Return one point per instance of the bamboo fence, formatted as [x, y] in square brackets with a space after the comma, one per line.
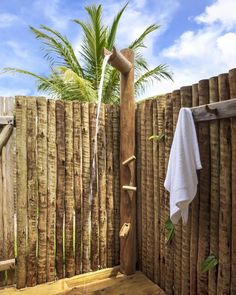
[45, 174]
[177, 266]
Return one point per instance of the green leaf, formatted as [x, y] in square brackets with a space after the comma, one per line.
[170, 229]
[210, 262]
[157, 137]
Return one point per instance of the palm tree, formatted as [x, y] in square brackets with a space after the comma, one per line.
[73, 78]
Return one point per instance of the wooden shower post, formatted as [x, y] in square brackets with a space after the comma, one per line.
[124, 62]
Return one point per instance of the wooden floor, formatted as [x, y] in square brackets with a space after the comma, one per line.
[108, 281]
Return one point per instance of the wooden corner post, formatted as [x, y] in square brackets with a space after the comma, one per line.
[124, 62]
[127, 171]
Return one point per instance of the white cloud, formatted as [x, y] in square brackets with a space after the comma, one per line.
[222, 11]
[204, 52]
[6, 91]
[7, 20]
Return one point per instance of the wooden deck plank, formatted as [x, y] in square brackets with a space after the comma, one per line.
[107, 281]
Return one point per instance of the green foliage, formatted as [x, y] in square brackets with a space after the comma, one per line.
[170, 229]
[157, 137]
[76, 77]
[210, 262]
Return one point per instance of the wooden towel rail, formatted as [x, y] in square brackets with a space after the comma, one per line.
[218, 110]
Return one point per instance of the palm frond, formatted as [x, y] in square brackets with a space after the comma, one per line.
[40, 79]
[138, 43]
[58, 49]
[156, 74]
[113, 29]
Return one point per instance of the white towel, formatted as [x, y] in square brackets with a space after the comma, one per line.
[181, 179]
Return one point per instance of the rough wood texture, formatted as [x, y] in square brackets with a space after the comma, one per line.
[194, 218]
[161, 145]
[95, 200]
[127, 173]
[223, 284]
[32, 189]
[156, 191]
[69, 192]
[116, 179]
[60, 135]
[143, 139]
[109, 185]
[21, 177]
[52, 186]
[169, 250]
[149, 189]
[232, 86]
[139, 196]
[204, 190]
[225, 109]
[86, 217]
[42, 188]
[186, 101]
[215, 186]
[102, 190]
[78, 186]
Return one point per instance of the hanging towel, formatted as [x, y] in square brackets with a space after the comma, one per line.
[181, 179]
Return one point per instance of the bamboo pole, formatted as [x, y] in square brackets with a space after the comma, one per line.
[78, 186]
[232, 85]
[102, 190]
[215, 186]
[178, 228]
[42, 187]
[86, 221]
[204, 190]
[156, 195]
[169, 249]
[186, 101]
[32, 192]
[194, 217]
[127, 173]
[69, 191]
[139, 196]
[223, 284]
[60, 198]
[109, 183]
[143, 139]
[52, 189]
[161, 145]
[21, 178]
[149, 190]
[95, 200]
[116, 179]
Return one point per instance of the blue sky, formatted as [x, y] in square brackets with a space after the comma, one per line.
[197, 39]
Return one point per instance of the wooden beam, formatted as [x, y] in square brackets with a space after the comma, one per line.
[4, 135]
[7, 264]
[118, 60]
[4, 120]
[218, 110]
[127, 172]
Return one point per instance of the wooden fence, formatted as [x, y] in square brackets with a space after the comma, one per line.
[60, 232]
[211, 229]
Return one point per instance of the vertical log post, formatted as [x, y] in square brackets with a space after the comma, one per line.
[123, 61]
[127, 172]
